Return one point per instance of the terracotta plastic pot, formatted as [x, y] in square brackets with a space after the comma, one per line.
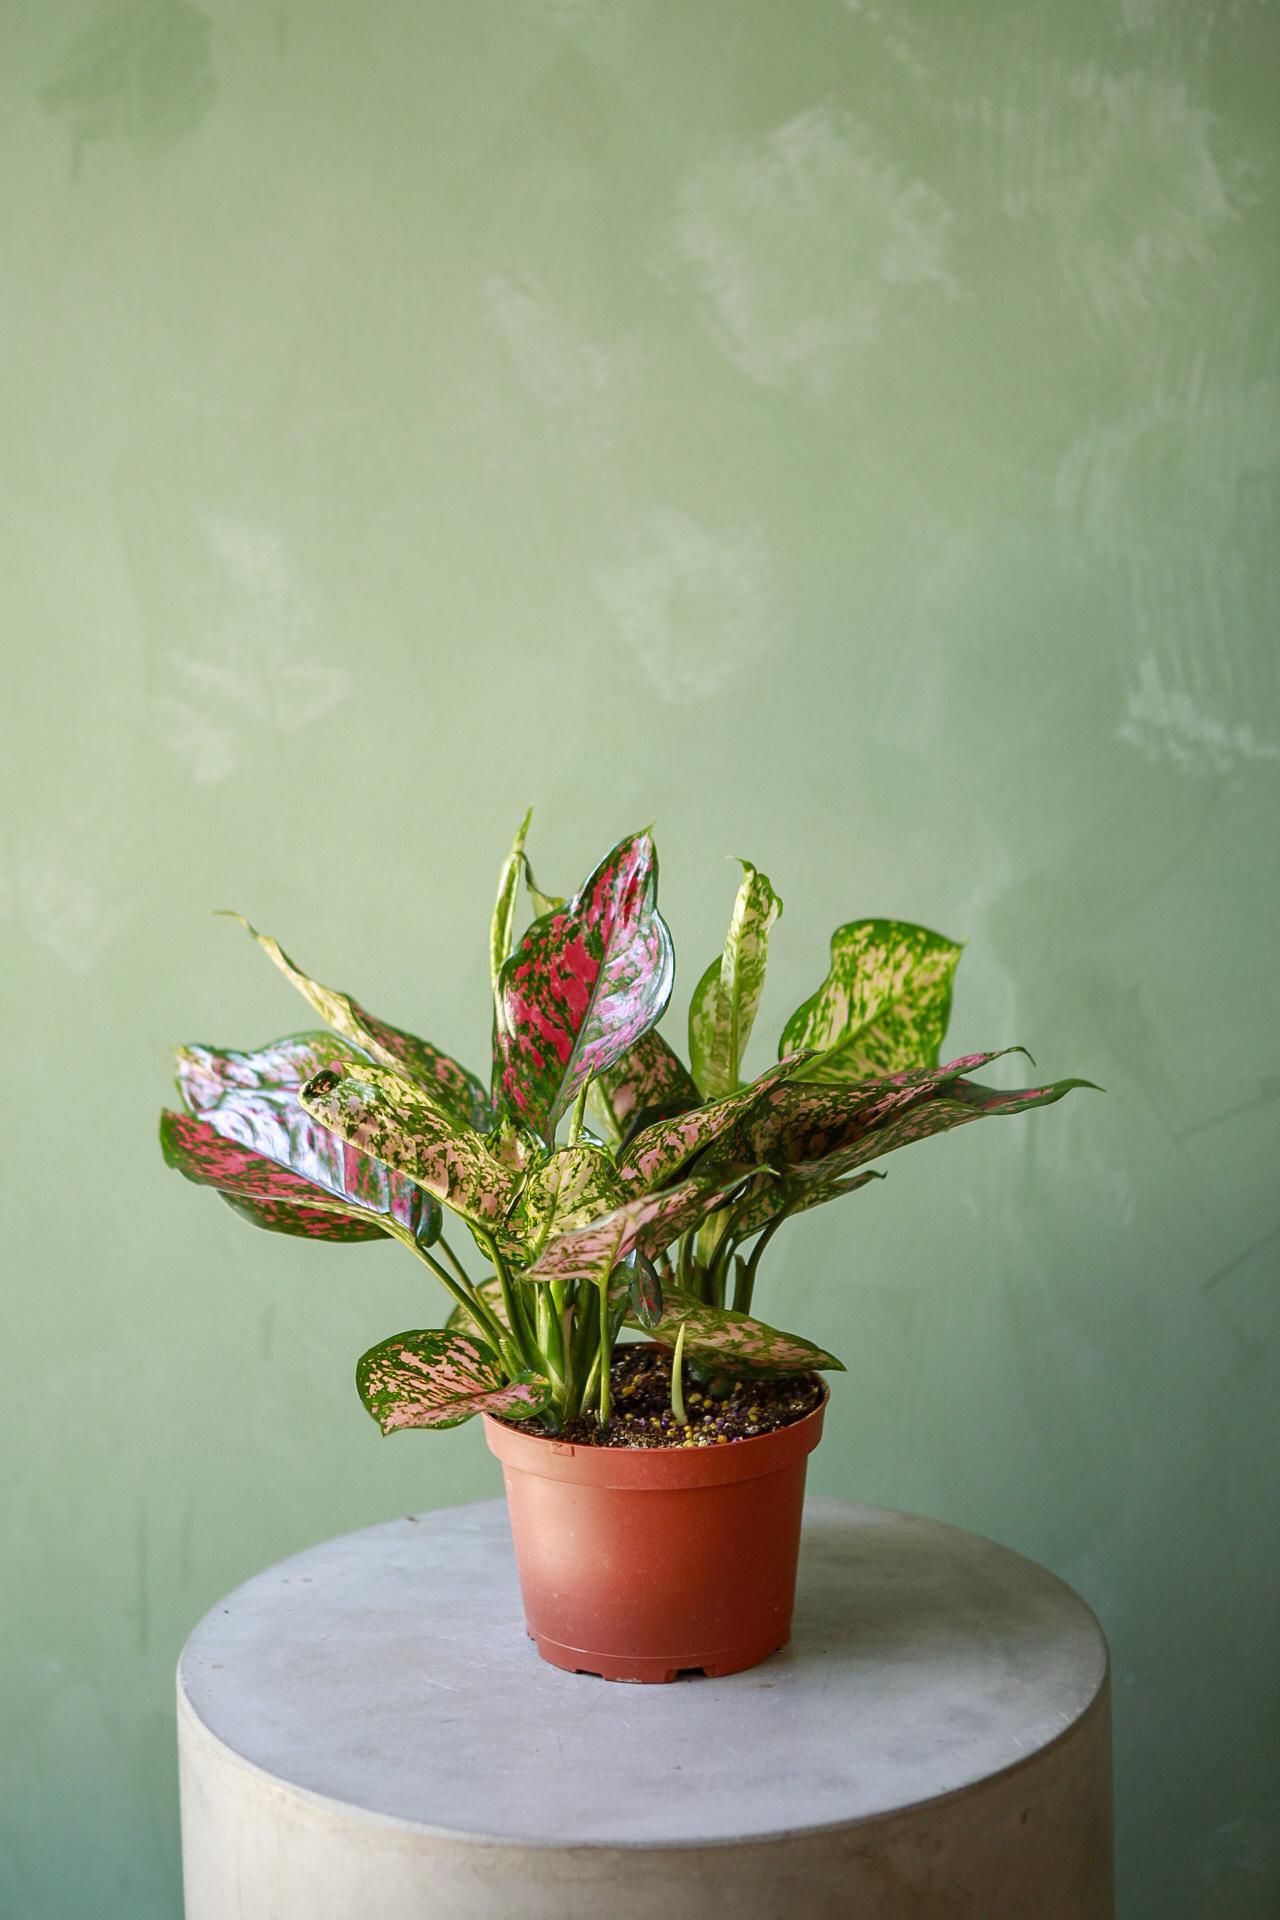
[644, 1563]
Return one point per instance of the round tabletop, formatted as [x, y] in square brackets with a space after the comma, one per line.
[388, 1670]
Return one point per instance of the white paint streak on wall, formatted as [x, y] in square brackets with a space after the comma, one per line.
[591, 386]
[694, 605]
[1174, 493]
[55, 892]
[1167, 721]
[255, 669]
[1122, 171]
[799, 246]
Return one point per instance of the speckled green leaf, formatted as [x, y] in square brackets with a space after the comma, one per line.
[451, 1088]
[884, 1006]
[582, 986]
[650, 1222]
[735, 1342]
[650, 1082]
[567, 1189]
[439, 1378]
[723, 1009]
[245, 1107]
[803, 1187]
[392, 1118]
[656, 1154]
[840, 1128]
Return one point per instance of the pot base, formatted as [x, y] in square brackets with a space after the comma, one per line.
[642, 1672]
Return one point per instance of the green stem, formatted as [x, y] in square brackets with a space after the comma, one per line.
[604, 1355]
[747, 1278]
[466, 1296]
[521, 1332]
[453, 1260]
[577, 1114]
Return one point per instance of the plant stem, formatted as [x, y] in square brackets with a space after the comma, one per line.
[747, 1278]
[453, 1260]
[471, 1302]
[577, 1113]
[521, 1333]
[677, 1380]
[604, 1355]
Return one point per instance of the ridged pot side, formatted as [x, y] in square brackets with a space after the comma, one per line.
[642, 1563]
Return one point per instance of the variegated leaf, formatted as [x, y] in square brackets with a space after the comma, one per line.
[726, 999]
[582, 986]
[453, 1089]
[383, 1114]
[650, 1222]
[734, 1342]
[656, 1154]
[438, 1378]
[644, 1289]
[252, 1099]
[502, 926]
[303, 1223]
[840, 1128]
[650, 1082]
[883, 1007]
[565, 1190]
[542, 902]
[802, 1188]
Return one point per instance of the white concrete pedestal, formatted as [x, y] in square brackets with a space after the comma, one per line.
[366, 1730]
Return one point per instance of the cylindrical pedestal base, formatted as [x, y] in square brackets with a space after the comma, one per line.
[367, 1728]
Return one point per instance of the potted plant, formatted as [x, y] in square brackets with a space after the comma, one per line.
[654, 1487]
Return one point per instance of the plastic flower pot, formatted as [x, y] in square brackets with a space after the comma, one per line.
[645, 1563]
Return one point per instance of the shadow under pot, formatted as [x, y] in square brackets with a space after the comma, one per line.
[642, 1563]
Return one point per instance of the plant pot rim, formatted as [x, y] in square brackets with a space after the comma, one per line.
[546, 1455]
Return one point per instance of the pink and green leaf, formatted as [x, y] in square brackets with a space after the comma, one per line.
[656, 1154]
[585, 982]
[439, 1378]
[648, 1223]
[733, 1342]
[382, 1113]
[840, 1128]
[454, 1090]
[883, 1007]
[245, 1107]
[648, 1083]
[565, 1190]
[801, 1188]
[726, 999]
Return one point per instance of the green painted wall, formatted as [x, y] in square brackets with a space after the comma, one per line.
[846, 432]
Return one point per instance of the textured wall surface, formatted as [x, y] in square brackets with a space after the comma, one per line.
[849, 433]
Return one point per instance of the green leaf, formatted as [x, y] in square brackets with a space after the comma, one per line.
[734, 1342]
[582, 986]
[248, 1135]
[884, 1006]
[392, 1118]
[648, 1083]
[504, 908]
[725, 1000]
[451, 1087]
[438, 1378]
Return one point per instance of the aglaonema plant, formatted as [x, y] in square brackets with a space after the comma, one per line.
[603, 1183]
